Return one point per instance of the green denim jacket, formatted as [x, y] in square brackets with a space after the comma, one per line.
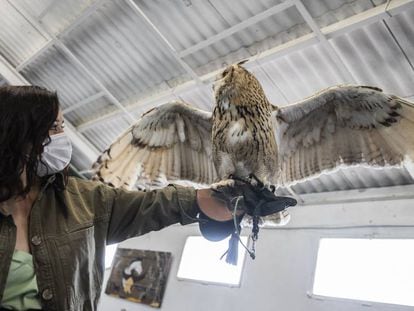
[69, 229]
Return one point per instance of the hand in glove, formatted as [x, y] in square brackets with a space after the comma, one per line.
[254, 200]
[218, 203]
[240, 197]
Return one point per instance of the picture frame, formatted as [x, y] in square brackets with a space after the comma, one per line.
[139, 275]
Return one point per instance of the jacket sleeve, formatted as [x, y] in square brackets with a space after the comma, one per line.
[134, 213]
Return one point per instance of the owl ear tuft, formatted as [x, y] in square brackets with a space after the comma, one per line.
[242, 62]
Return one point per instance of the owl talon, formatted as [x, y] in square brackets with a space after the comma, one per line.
[237, 178]
[223, 183]
[256, 181]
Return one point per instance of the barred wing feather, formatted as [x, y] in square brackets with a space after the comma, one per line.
[343, 125]
[169, 142]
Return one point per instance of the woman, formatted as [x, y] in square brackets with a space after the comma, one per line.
[54, 228]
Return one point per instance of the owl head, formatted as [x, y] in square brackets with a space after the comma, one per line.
[237, 84]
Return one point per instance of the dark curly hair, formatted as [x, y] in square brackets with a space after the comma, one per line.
[26, 115]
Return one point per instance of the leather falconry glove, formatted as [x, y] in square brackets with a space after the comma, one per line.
[241, 198]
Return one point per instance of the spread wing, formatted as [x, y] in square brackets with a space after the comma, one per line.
[344, 125]
[169, 142]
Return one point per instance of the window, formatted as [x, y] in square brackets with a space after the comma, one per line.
[378, 270]
[109, 254]
[201, 262]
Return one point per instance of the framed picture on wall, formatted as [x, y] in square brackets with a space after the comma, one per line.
[139, 275]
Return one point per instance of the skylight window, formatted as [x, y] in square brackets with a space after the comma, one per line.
[376, 270]
[201, 262]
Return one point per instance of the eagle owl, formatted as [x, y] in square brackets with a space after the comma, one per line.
[243, 140]
[246, 134]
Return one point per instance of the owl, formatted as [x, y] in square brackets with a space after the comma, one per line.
[245, 136]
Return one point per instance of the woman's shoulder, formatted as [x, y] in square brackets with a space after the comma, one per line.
[87, 194]
[79, 186]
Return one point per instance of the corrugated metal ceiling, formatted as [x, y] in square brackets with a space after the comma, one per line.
[55, 70]
[18, 40]
[102, 54]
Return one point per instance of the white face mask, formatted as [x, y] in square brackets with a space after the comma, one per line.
[56, 155]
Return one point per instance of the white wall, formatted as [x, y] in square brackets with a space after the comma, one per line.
[281, 276]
